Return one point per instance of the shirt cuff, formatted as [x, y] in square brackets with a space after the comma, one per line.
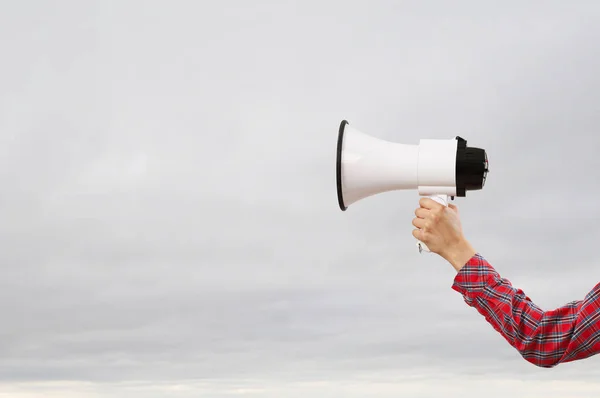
[473, 277]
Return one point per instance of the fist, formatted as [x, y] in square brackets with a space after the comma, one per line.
[438, 226]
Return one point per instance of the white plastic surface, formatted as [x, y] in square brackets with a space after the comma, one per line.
[437, 167]
[371, 166]
[443, 199]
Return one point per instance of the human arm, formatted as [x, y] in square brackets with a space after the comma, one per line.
[543, 338]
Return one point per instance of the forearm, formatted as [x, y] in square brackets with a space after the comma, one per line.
[459, 254]
[544, 338]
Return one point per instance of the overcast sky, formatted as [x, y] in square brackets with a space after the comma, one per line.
[168, 218]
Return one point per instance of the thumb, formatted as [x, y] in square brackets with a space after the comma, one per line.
[453, 207]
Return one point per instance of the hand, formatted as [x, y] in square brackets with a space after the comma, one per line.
[439, 227]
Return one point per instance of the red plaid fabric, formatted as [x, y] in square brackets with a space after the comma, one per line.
[543, 338]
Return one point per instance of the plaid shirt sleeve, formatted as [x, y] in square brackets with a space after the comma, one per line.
[543, 338]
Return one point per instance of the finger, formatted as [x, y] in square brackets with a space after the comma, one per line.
[429, 203]
[421, 212]
[418, 222]
[419, 234]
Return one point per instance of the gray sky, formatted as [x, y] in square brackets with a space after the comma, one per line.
[169, 225]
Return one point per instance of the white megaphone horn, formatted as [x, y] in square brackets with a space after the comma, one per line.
[436, 168]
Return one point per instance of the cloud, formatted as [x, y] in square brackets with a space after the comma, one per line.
[169, 220]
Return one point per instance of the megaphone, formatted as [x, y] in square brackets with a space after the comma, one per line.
[436, 168]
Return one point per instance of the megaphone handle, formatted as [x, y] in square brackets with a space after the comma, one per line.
[443, 199]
